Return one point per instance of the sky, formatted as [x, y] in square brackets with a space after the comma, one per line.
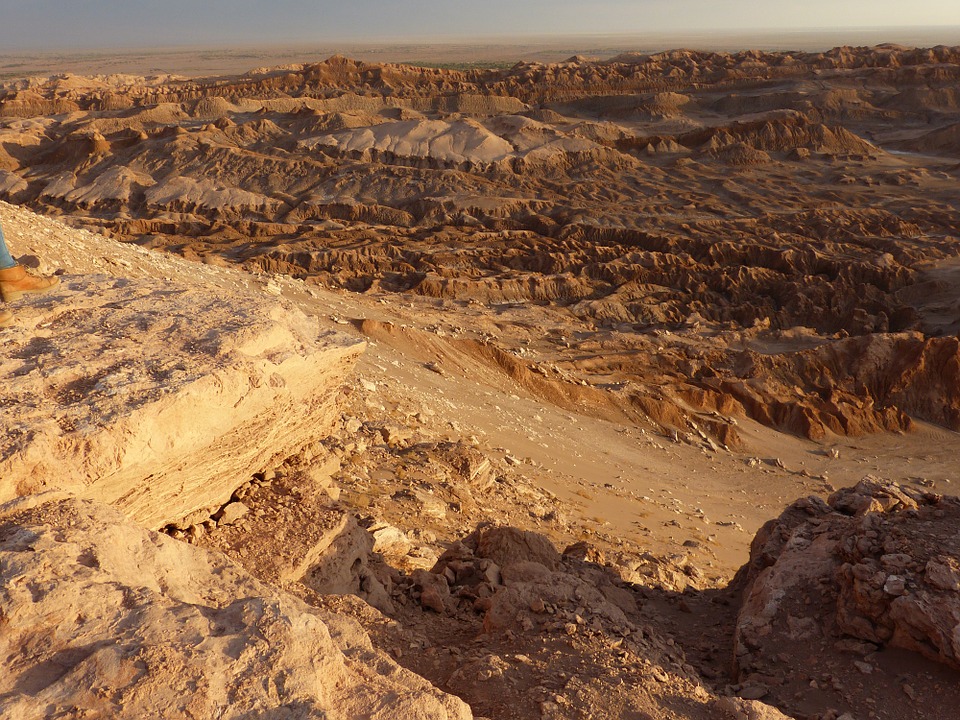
[75, 24]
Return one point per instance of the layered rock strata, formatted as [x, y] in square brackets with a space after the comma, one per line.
[158, 395]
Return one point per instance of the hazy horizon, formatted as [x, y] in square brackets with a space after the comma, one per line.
[44, 25]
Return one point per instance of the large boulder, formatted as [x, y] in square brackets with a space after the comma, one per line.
[103, 618]
[152, 383]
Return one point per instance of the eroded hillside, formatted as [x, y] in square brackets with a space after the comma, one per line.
[631, 308]
[708, 236]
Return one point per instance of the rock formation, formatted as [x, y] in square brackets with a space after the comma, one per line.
[102, 617]
[843, 582]
[159, 396]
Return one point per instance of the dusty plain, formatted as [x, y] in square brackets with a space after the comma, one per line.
[502, 51]
[637, 304]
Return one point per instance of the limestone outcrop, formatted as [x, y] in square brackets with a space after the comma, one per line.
[103, 618]
[160, 395]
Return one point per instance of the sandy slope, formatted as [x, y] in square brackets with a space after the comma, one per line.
[618, 482]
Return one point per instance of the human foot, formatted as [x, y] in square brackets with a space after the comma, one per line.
[16, 282]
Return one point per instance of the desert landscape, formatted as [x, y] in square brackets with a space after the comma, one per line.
[603, 387]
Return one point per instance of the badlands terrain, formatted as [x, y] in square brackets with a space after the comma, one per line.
[495, 384]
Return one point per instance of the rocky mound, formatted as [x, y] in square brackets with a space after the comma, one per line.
[105, 618]
[780, 133]
[447, 142]
[589, 649]
[834, 590]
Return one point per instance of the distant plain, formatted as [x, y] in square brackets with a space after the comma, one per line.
[216, 60]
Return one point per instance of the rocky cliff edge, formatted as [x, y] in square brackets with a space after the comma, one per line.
[151, 383]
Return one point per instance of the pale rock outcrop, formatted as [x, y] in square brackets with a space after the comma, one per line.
[103, 618]
[118, 184]
[459, 141]
[159, 388]
[11, 183]
[60, 186]
[178, 193]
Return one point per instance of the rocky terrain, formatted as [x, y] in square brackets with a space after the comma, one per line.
[484, 380]
[758, 202]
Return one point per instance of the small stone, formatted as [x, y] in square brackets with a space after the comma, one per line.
[482, 604]
[753, 692]
[394, 435]
[943, 573]
[895, 562]
[490, 572]
[231, 513]
[895, 585]
[432, 599]
[389, 541]
[548, 707]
